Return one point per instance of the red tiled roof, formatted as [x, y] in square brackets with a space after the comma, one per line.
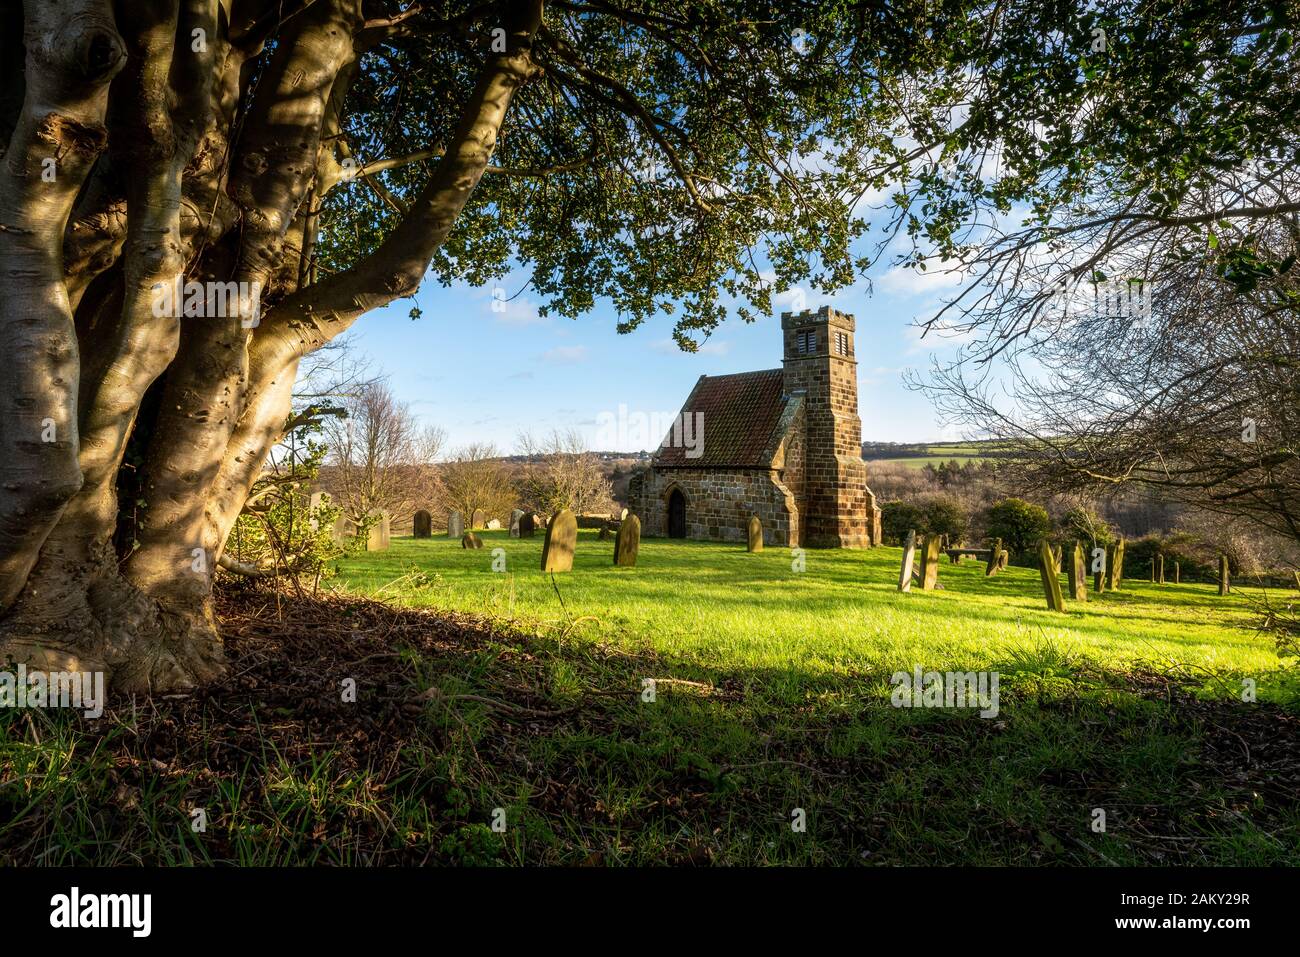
[737, 415]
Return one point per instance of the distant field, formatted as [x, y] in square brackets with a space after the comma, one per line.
[919, 455]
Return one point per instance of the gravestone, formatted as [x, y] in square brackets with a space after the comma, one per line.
[1177, 574]
[1225, 583]
[755, 541]
[930, 561]
[515, 516]
[377, 539]
[1051, 582]
[478, 519]
[1004, 559]
[623, 514]
[1078, 574]
[995, 554]
[1160, 569]
[527, 525]
[627, 541]
[561, 540]
[455, 525]
[422, 524]
[1117, 566]
[604, 533]
[909, 556]
[493, 523]
[470, 540]
[316, 501]
[343, 528]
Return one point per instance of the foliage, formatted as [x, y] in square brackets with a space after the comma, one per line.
[1020, 525]
[898, 518]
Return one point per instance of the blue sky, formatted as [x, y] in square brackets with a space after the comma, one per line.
[486, 376]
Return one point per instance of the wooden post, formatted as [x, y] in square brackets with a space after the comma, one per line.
[1051, 583]
[930, 561]
[909, 556]
[1225, 585]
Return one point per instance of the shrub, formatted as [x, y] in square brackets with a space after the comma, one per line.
[1019, 524]
[897, 518]
[944, 515]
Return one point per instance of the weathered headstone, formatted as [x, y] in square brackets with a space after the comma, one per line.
[1112, 550]
[1004, 559]
[1117, 568]
[493, 524]
[478, 519]
[909, 556]
[1160, 569]
[627, 541]
[1225, 582]
[1078, 574]
[755, 538]
[455, 525]
[995, 553]
[527, 525]
[316, 501]
[515, 516]
[930, 561]
[422, 524]
[1051, 583]
[1178, 577]
[470, 540]
[561, 541]
[623, 514]
[377, 539]
[604, 533]
[343, 528]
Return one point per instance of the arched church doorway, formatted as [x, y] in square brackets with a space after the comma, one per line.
[677, 514]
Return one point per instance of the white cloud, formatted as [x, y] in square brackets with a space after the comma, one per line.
[906, 281]
[565, 355]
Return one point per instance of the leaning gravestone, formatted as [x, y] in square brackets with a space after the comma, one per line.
[755, 538]
[995, 554]
[1078, 574]
[1160, 569]
[377, 539]
[1051, 583]
[455, 525]
[527, 525]
[470, 540]
[561, 540]
[1117, 566]
[1225, 583]
[627, 541]
[930, 561]
[422, 524]
[909, 556]
[515, 516]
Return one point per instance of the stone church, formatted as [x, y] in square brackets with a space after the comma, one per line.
[783, 444]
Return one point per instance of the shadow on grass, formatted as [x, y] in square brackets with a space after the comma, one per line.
[458, 724]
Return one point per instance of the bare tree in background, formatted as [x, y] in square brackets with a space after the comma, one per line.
[1191, 390]
[380, 457]
[477, 478]
[563, 473]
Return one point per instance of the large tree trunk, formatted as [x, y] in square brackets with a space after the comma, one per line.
[177, 194]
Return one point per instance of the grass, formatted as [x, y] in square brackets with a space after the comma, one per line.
[717, 606]
[508, 696]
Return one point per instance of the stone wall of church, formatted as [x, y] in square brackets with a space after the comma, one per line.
[718, 503]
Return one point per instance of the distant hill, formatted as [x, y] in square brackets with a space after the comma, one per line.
[920, 454]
